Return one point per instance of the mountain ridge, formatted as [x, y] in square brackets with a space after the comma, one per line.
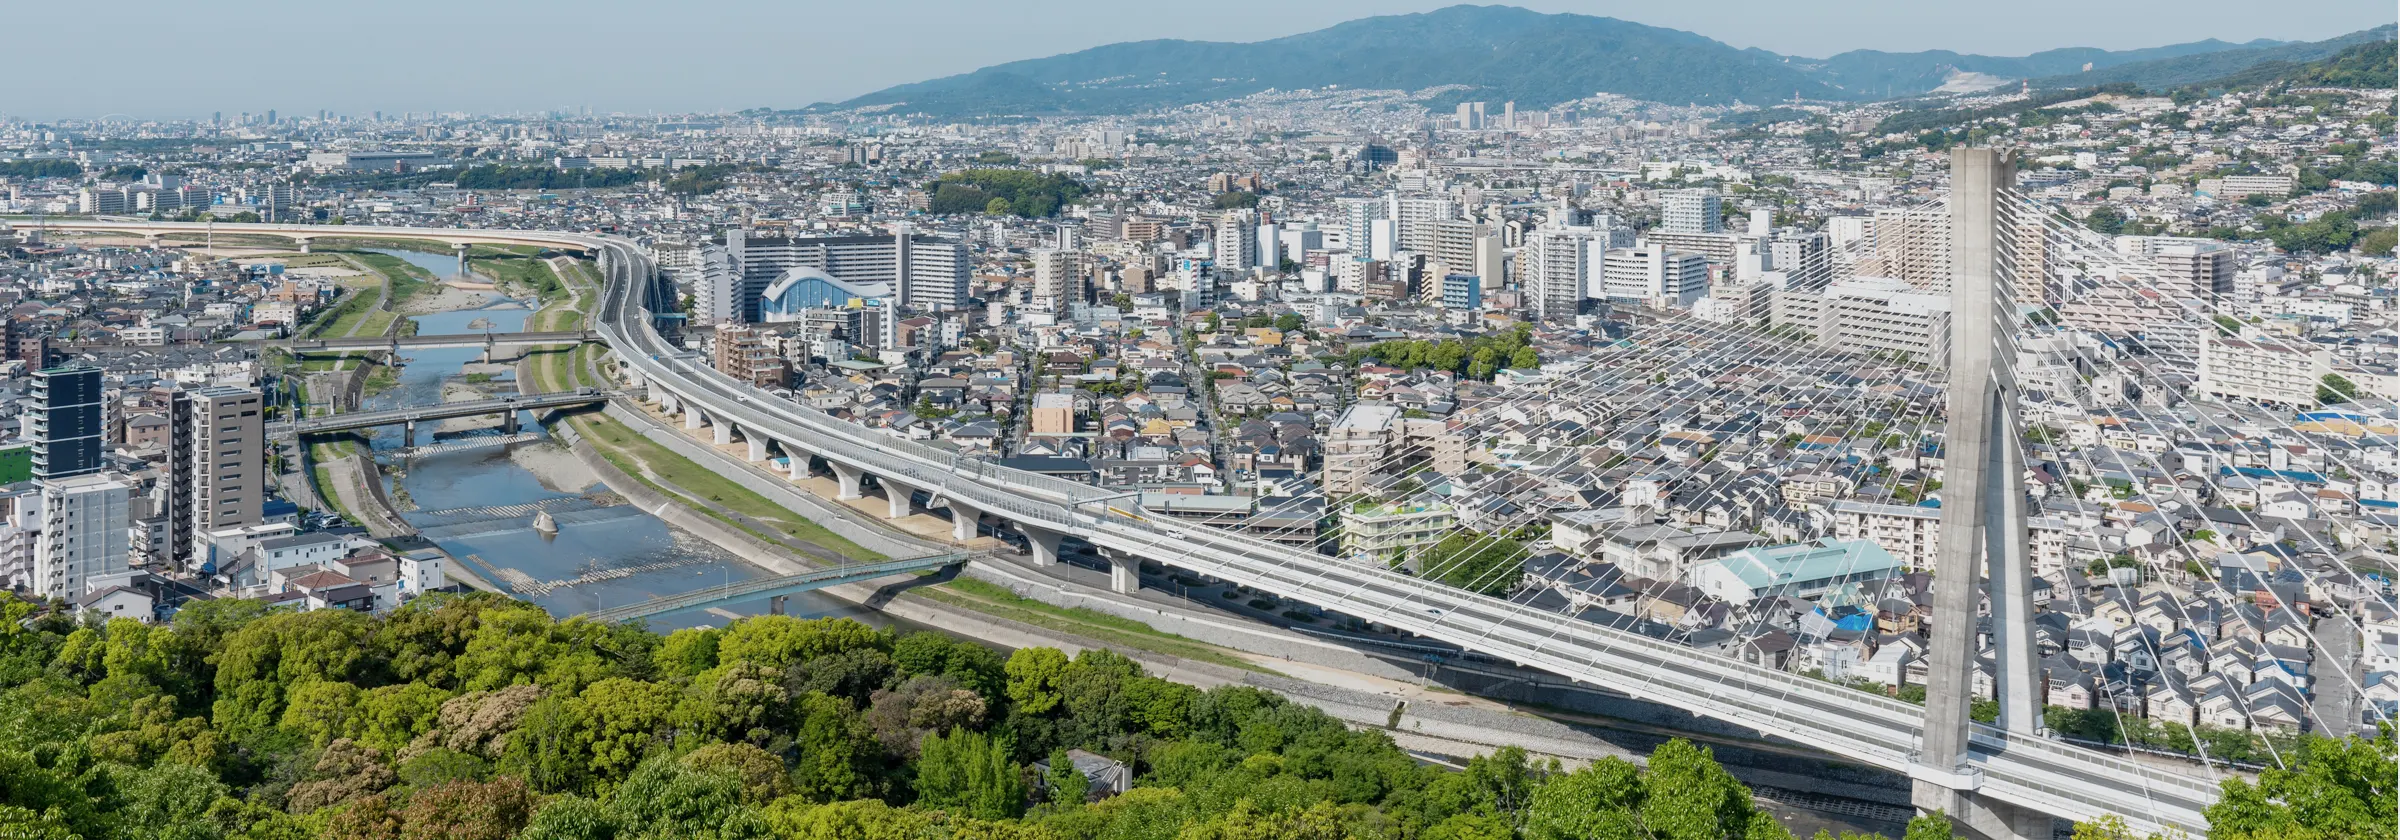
[1499, 53]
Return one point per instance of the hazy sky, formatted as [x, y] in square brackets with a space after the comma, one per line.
[184, 59]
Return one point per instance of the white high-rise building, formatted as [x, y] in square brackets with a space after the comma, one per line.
[1237, 242]
[1692, 211]
[2263, 371]
[1270, 246]
[1057, 279]
[1358, 223]
[714, 284]
[1300, 240]
[1556, 270]
[84, 533]
[1413, 219]
[1654, 276]
[930, 272]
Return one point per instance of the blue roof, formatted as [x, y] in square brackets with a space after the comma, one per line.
[1825, 559]
[2302, 476]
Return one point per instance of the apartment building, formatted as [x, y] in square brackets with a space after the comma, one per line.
[2281, 373]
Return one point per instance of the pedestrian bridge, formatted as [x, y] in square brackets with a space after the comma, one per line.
[412, 415]
[395, 344]
[774, 589]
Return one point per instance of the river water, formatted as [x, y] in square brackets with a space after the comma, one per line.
[475, 492]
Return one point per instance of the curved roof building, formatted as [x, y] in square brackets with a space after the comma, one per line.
[804, 288]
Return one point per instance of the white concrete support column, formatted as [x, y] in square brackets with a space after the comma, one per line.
[798, 463]
[963, 521]
[692, 418]
[722, 434]
[1981, 816]
[1044, 544]
[849, 478]
[896, 495]
[758, 447]
[775, 605]
[1124, 573]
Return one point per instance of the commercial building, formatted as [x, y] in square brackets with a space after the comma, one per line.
[1806, 570]
[371, 161]
[2263, 371]
[804, 289]
[927, 272]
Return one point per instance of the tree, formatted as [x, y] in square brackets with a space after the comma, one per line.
[778, 641]
[2336, 389]
[1684, 796]
[1033, 679]
[1475, 562]
[467, 810]
[966, 772]
[1064, 783]
[623, 721]
[836, 750]
[2334, 789]
[1236, 199]
[1290, 322]
[1525, 359]
[2105, 219]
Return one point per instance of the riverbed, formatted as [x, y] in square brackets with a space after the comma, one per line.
[475, 492]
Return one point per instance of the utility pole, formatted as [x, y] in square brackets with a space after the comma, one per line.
[1983, 527]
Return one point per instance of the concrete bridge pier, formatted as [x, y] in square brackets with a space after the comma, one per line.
[1124, 573]
[155, 240]
[461, 248]
[692, 418]
[775, 605]
[798, 465]
[307, 243]
[508, 422]
[758, 447]
[963, 521]
[408, 434]
[722, 433]
[1044, 544]
[850, 478]
[1981, 816]
[896, 495]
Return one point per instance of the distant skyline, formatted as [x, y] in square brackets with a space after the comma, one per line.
[153, 59]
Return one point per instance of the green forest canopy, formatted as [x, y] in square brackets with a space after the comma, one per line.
[482, 718]
[1019, 192]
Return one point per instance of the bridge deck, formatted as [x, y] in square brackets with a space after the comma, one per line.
[752, 590]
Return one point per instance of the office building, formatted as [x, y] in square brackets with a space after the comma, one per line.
[929, 273]
[83, 533]
[217, 448]
[1692, 211]
[2262, 371]
[66, 426]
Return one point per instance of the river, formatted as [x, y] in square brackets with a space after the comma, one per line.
[475, 493]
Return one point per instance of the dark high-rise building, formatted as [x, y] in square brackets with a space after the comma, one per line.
[67, 430]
